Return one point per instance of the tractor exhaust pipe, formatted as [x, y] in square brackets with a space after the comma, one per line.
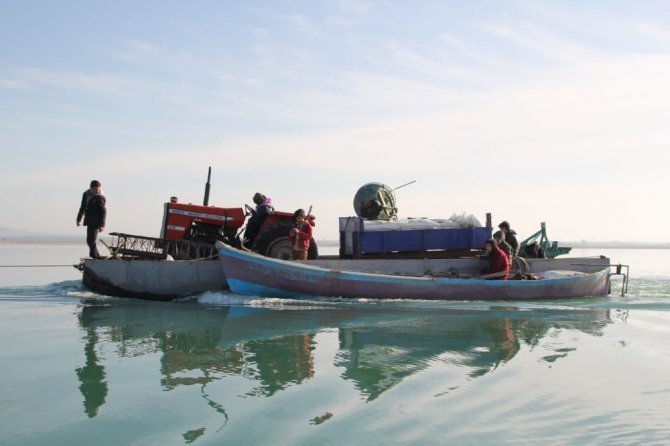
[205, 201]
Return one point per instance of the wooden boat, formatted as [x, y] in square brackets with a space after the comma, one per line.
[433, 279]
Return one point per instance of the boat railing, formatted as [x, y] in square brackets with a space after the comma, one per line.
[623, 271]
[151, 248]
[550, 249]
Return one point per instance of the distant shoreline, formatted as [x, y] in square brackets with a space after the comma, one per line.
[22, 240]
[42, 241]
[573, 245]
[616, 245]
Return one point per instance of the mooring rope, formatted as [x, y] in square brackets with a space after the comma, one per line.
[38, 266]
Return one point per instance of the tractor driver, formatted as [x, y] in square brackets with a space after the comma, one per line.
[263, 209]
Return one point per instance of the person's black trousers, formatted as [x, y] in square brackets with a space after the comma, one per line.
[91, 239]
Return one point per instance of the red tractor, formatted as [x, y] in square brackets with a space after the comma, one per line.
[208, 224]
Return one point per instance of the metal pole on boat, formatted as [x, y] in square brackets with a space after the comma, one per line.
[406, 184]
[205, 201]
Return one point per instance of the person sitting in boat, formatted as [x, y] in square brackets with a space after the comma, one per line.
[301, 234]
[510, 237]
[534, 251]
[498, 262]
[263, 209]
[499, 237]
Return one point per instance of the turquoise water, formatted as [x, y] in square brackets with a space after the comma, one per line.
[79, 368]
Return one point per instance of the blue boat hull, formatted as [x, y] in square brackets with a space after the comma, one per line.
[251, 274]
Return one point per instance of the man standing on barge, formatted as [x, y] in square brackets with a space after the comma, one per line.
[93, 211]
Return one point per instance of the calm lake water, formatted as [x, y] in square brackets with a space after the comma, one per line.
[79, 368]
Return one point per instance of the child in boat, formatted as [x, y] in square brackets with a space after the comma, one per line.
[498, 262]
[301, 234]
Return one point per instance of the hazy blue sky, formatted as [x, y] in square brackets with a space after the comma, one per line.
[531, 110]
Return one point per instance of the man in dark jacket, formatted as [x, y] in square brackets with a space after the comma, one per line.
[263, 209]
[510, 237]
[93, 211]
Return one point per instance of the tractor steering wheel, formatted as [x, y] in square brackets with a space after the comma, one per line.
[248, 210]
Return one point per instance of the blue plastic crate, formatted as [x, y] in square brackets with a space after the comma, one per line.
[423, 239]
[355, 240]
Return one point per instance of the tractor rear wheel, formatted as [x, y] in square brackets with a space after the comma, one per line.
[274, 242]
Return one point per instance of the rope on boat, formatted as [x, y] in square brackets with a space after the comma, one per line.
[69, 265]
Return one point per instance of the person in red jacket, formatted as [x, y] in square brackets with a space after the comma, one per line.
[498, 262]
[301, 234]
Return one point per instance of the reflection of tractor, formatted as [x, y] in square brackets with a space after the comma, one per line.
[207, 224]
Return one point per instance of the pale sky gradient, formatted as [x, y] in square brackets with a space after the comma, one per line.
[531, 110]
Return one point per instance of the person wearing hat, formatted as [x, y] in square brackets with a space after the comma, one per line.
[510, 237]
[94, 213]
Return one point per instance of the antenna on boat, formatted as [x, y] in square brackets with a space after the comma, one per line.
[205, 200]
[406, 184]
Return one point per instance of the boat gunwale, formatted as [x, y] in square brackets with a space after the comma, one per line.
[313, 274]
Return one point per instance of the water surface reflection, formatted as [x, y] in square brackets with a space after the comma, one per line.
[274, 347]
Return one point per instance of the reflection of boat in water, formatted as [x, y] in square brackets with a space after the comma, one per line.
[377, 358]
[193, 337]
[377, 347]
[198, 345]
[136, 328]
